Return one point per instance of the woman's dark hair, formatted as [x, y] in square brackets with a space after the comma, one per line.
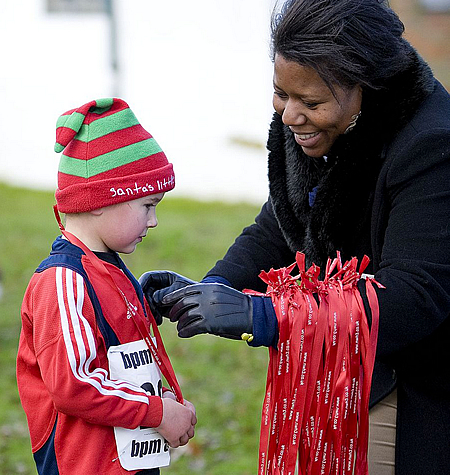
[347, 42]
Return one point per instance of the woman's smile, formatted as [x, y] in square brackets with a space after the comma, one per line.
[307, 140]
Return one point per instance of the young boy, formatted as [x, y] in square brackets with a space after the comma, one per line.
[88, 370]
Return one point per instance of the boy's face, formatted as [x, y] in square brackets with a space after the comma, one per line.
[124, 225]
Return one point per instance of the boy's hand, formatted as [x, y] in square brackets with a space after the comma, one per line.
[187, 403]
[157, 284]
[178, 421]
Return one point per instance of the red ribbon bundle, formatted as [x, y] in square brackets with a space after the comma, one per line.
[315, 411]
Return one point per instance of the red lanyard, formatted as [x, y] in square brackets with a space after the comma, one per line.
[315, 411]
[158, 351]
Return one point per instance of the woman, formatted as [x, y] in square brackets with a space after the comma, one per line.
[359, 161]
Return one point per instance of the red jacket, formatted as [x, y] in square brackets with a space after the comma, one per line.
[70, 401]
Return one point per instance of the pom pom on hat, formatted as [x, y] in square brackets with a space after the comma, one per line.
[69, 124]
[108, 158]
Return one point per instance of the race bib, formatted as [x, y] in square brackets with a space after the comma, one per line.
[142, 447]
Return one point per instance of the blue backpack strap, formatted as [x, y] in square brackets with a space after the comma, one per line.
[65, 254]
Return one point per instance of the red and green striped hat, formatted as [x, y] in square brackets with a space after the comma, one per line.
[108, 158]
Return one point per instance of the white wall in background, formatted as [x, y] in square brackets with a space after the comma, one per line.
[197, 75]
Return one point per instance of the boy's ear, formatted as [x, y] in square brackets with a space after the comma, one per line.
[97, 212]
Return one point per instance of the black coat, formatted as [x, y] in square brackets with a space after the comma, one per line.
[384, 191]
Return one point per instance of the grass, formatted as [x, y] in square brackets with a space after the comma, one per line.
[224, 379]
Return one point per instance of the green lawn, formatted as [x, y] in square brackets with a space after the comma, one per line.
[224, 379]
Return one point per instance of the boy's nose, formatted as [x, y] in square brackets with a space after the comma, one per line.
[152, 222]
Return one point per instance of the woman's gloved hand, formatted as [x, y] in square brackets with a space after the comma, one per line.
[210, 308]
[157, 284]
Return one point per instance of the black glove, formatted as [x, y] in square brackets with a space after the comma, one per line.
[156, 284]
[210, 308]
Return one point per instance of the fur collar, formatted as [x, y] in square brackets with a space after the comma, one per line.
[340, 218]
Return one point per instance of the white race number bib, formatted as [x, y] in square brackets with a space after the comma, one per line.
[142, 447]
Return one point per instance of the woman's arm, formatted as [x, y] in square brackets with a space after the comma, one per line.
[415, 252]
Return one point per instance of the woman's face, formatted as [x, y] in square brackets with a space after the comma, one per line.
[309, 108]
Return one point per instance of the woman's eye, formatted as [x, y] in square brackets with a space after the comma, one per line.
[280, 94]
[311, 105]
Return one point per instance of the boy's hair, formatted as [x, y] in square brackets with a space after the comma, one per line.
[108, 158]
